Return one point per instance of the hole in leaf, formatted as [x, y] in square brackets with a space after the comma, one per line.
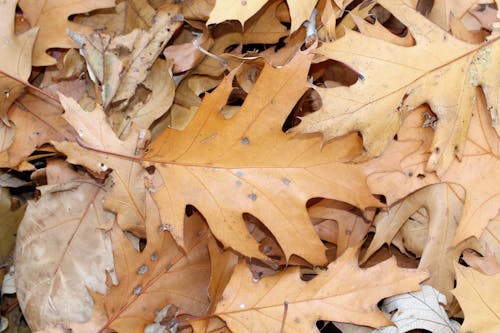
[268, 244]
[308, 103]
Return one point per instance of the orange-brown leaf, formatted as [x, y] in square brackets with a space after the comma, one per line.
[247, 164]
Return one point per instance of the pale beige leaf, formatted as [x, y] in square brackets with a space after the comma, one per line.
[478, 297]
[418, 310]
[343, 292]
[61, 251]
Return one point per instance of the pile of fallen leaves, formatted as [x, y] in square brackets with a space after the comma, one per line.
[250, 166]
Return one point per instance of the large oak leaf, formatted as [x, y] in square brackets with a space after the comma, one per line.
[61, 250]
[439, 70]
[344, 292]
[248, 165]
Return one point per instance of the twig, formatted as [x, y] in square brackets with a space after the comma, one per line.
[285, 312]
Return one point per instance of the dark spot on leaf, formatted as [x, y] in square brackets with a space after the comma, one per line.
[143, 269]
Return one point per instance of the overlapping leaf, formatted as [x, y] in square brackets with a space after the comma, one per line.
[343, 292]
[247, 164]
[443, 203]
[439, 70]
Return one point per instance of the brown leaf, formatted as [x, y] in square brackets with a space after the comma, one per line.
[247, 164]
[343, 292]
[61, 251]
[51, 17]
[37, 120]
[159, 275]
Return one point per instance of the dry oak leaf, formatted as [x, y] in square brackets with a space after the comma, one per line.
[478, 172]
[127, 195]
[343, 292]
[61, 251]
[478, 298]
[51, 16]
[118, 73]
[439, 70]
[418, 310]
[16, 57]
[300, 11]
[37, 120]
[248, 165]
[443, 203]
[159, 275]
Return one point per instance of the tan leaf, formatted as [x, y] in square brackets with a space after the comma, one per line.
[127, 194]
[443, 203]
[343, 292]
[51, 16]
[60, 251]
[439, 70]
[16, 57]
[478, 297]
[247, 164]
